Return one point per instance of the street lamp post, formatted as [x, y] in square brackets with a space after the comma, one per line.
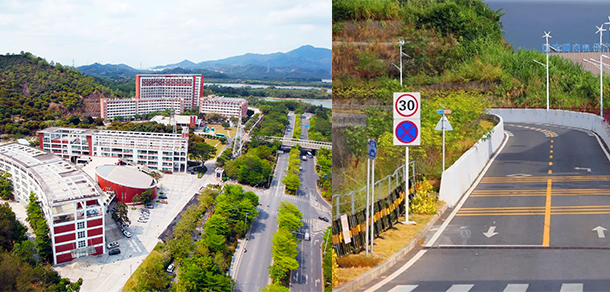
[400, 44]
[600, 30]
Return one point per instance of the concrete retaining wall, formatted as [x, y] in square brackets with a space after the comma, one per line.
[456, 180]
[572, 119]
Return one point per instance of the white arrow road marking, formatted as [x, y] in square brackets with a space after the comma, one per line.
[306, 278]
[490, 232]
[600, 231]
[519, 175]
[317, 280]
[583, 168]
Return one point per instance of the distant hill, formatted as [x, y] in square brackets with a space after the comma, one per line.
[306, 63]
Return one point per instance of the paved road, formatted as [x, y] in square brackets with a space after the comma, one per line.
[529, 225]
[309, 275]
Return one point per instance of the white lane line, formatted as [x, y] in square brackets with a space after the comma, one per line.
[403, 288]
[398, 272]
[465, 197]
[460, 288]
[572, 287]
[516, 288]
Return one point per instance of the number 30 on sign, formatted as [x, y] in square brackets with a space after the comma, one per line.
[407, 105]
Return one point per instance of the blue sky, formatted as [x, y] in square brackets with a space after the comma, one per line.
[160, 32]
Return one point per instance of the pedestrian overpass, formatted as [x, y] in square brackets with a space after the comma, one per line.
[291, 142]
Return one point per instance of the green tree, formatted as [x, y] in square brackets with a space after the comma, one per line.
[284, 252]
[25, 251]
[6, 186]
[217, 224]
[276, 287]
[153, 276]
[292, 182]
[119, 214]
[145, 197]
[11, 230]
[203, 151]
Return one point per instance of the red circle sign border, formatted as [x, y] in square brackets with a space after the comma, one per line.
[416, 130]
[416, 105]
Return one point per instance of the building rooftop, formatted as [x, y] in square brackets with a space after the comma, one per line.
[166, 120]
[60, 180]
[114, 133]
[170, 74]
[223, 99]
[126, 176]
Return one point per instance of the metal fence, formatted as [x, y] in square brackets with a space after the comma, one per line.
[355, 201]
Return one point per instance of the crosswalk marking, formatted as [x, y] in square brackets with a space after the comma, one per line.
[460, 288]
[516, 288]
[572, 287]
[565, 287]
[403, 288]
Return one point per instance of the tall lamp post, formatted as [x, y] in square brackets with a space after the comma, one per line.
[400, 44]
[600, 30]
[547, 35]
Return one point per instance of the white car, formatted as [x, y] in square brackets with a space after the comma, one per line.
[126, 233]
[113, 244]
[141, 220]
[171, 268]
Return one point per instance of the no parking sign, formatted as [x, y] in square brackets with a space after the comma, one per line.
[407, 107]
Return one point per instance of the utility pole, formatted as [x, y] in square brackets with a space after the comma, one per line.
[400, 44]
[600, 30]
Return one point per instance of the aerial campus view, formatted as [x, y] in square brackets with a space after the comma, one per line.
[120, 173]
[470, 144]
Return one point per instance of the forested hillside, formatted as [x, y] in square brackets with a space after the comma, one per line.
[33, 91]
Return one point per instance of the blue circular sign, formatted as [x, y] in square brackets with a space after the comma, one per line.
[406, 132]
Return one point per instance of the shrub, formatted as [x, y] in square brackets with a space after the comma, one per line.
[356, 260]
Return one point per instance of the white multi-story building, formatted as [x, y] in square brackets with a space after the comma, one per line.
[157, 86]
[158, 151]
[226, 106]
[71, 201]
[129, 107]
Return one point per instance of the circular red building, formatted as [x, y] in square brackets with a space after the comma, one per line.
[126, 182]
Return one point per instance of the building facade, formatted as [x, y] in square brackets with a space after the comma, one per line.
[157, 86]
[226, 106]
[72, 202]
[129, 107]
[158, 151]
[180, 121]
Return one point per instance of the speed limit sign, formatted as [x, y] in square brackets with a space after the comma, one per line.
[407, 105]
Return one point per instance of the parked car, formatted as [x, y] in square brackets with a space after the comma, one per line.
[142, 220]
[114, 251]
[163, 197]
[307, 238]
[304, 158]
[150, 206]
[171, 268]
[323, 218]
[126, 233]
[113, 244]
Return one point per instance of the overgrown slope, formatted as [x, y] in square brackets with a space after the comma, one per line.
[32, 91]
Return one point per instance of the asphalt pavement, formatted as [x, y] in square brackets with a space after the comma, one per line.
[536, 221]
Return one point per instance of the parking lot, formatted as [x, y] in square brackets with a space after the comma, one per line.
[111, 272]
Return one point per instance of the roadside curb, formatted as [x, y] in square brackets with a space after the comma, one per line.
[376, 272]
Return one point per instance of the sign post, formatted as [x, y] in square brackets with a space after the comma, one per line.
[407, 131]
[372, 151]
[443, 125]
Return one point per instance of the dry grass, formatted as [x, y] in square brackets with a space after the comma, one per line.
[393, 240]
[216, 143]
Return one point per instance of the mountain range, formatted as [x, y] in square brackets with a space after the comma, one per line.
[304, 63]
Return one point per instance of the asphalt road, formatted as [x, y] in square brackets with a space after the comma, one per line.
[309, 275]
[536, 221]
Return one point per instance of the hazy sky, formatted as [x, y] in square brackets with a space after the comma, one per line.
[160, 32]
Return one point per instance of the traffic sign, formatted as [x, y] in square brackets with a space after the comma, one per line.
[407, 132]
[372, 149]
[443, 111]
[446, 125]
[407, 105]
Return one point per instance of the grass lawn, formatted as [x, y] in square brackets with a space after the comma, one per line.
[220, 130]
[216, 143]
[393, 241]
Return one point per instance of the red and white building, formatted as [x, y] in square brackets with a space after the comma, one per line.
[158, 86]
[129, 107]
[71, 201]
[158, 151]
[226, 106]
[126, 182]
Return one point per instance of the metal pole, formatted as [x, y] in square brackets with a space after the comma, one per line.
[443, 126]
[368, 186]
[601, 74]
[372, 204]
[407, 187]
[400, 43]
[547, 74]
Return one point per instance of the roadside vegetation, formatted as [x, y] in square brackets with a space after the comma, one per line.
[320, 126]
[6, 186]
[327, 260]
[26, 265]
[284, 249]
[324, 168]
[255, 165]
[270, 91]
[201, 246]
[297, 124]
[291, 180]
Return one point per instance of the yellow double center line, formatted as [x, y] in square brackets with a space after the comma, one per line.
[535, 211]
[541, 179]
[540, 193]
